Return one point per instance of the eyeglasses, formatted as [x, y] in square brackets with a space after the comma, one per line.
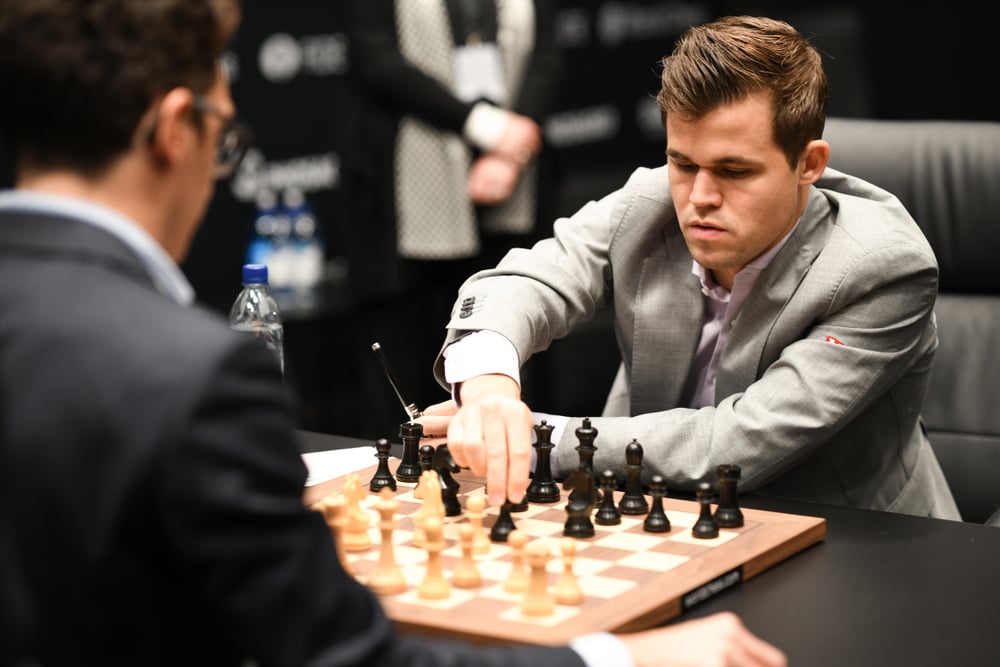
[234, 140]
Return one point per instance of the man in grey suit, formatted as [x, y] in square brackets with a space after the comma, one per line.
[148, 464]
[770, 312]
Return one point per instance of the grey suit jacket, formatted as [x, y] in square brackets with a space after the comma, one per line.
[803, 416]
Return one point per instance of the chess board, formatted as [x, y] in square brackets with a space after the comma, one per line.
[631, 579]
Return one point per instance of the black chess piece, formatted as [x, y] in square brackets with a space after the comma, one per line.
[426, 456]
[543, 488]
[580, 505]
[705, 527]
[444, 464]
[633, 501]
[728, 513]
[585, 436]
[607, 513]
[504, 524]
[656, 521]
[383, 476]
[409, 466]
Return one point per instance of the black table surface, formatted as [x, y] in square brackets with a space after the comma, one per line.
[881, 589]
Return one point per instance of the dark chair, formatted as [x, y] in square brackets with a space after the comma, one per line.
[947, 174]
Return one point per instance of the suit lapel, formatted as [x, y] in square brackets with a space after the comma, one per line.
[745, 356]
[668, 315]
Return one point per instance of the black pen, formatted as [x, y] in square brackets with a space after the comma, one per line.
[412, 411]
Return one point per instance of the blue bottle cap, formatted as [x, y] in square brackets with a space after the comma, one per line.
[255, 274]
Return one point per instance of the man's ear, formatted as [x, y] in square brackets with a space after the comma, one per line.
[172, 131]
[814, 161]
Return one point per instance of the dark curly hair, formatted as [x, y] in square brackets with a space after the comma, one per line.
[78, 75]
[724, 61]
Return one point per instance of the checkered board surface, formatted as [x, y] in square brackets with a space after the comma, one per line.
[631, 579]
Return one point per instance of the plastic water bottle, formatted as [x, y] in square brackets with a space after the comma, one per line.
[256, 312]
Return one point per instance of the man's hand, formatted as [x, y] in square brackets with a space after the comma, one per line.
[719, 640]
[491, 435]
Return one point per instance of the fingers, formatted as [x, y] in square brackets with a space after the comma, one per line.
[492, 438]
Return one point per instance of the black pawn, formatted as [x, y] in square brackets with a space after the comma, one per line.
[383, 476]
[728, 514]
[426, 456]
[409, 466]
[657, 521]
[543, 488]
[580, 505]
[585, 436]
[705, 527]
[633, 501]
[607, 513]
[504, 524]
[443, 463]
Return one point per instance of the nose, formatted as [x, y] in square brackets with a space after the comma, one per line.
[704, 191]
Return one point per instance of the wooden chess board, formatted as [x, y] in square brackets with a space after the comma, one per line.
[632, 580]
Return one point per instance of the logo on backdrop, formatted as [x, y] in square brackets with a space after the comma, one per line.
[307, 173]
[619, 22]
[284, 57]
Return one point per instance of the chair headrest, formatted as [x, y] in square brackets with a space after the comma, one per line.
[947, 174]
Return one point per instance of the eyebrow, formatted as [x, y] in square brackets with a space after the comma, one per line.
[724, 160]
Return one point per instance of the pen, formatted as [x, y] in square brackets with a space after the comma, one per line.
[412, 411]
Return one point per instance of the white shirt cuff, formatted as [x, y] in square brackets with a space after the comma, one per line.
[485, 125]
[602, 649]
[481, 353]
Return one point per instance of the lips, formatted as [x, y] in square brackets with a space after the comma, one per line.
[705, 231]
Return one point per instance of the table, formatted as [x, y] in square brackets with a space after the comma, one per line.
[882, 589]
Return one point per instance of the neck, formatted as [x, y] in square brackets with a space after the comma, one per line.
[125, 187]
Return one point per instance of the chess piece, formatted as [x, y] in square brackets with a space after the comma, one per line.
[585, 436]
[656, 521]
[355, 534]
[332, 507]
[633, 501]
[475, 510]
[425, 454]
[387, 578]
[705, 527]
[466, 574]
[580, 504]
[728, 513]
[567, 589]
[537, 601]
[409, 467]
[445, 465]
[429, 491]
[543, 488]
[434, 586]
[517, 579]
[383, 476]
[504, 524]
[607, 513]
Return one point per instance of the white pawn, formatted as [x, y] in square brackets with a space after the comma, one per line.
[517, 580]
[475, 509]
[466, 575]
[386, 578]
[537, 601]
[434, 585]
[567, 589]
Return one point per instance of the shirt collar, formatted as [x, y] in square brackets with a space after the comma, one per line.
[714, 290]
[166, 275]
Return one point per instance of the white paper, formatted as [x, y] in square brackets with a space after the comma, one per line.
[332, 463]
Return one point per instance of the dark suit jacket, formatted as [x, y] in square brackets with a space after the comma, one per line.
[156, 488]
